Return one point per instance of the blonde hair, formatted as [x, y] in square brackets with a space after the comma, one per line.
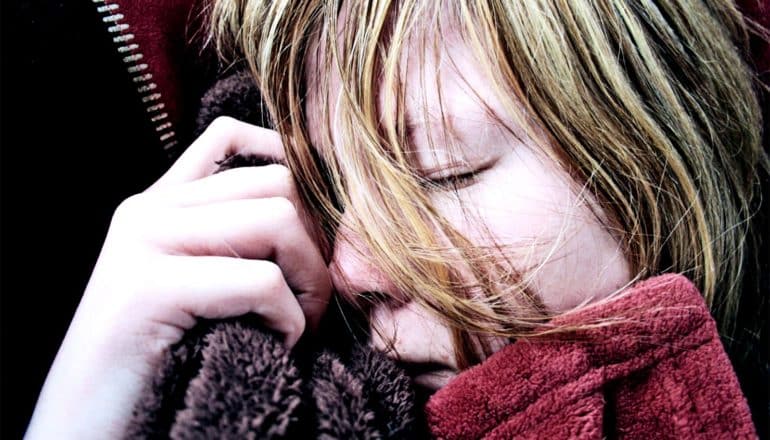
[650, 105]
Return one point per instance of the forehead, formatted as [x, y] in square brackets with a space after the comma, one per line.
[448, 94]
[446, 91]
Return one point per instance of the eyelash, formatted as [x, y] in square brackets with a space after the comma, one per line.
[454, 181]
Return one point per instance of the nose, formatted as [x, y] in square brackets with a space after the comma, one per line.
[400, 328]
[353, 270]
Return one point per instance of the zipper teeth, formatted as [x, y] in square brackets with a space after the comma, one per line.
[142, 79]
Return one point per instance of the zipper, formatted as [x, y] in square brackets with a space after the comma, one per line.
[140, 74]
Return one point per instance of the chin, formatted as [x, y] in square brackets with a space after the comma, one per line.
[425, 385]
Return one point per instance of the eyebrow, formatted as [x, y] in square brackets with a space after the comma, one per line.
[457, 125]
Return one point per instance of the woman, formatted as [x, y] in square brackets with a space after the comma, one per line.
[463, 173]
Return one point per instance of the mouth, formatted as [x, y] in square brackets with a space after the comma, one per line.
[428, 377]
[434, 380]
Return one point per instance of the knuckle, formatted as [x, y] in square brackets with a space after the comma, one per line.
[274, 175]
[137, 217]
[281, 173]
[129, 203]
[283, 179]
[222, 123]
[300, 322]
[273, 279]
[128, 209]
[284, 211]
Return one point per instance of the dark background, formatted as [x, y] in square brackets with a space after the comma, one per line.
[73, 144]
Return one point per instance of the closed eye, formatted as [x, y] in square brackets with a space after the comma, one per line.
[453, 181]
[455, 177]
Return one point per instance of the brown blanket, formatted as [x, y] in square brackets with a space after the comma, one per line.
[232, 379]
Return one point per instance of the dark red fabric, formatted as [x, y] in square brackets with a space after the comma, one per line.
[159, 28]
[655, 368]
[759, 11]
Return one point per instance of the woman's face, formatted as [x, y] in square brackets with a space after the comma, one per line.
[519, 198]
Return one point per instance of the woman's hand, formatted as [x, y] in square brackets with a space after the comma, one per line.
[194, 244]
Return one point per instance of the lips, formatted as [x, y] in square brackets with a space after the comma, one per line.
[427, 378]
[428, 375]
[434, 380]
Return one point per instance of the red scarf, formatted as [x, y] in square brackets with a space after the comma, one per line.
[658, 371]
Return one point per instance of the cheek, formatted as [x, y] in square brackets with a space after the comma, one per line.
[519, 203]
[546, 230]
[413, 333]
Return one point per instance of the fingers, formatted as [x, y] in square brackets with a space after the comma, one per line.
[257, 229]
[238, 183]
[244, 215]
[225, 136]
[252, 228]
[218, 287]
